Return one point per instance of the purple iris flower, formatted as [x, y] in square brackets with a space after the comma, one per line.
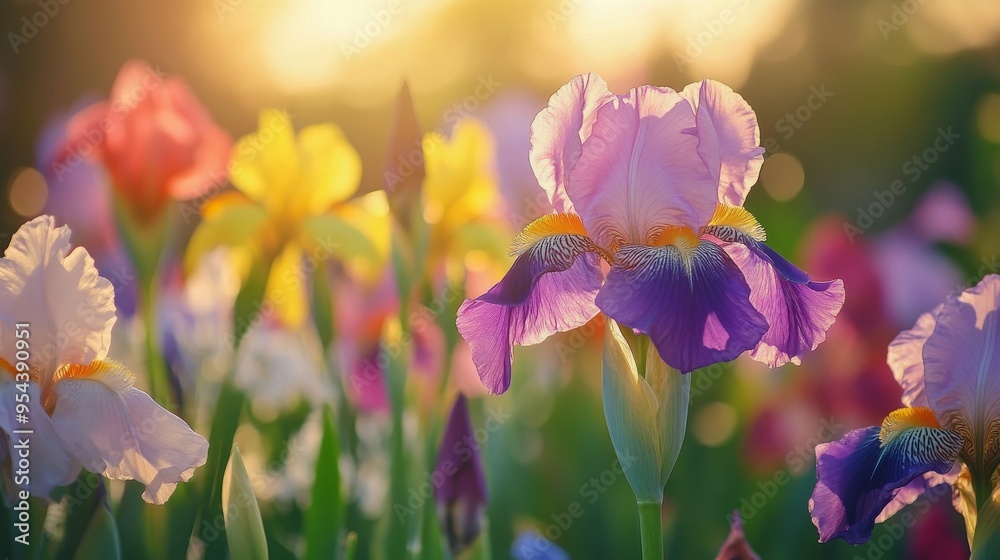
[948, 365]
[652, 182]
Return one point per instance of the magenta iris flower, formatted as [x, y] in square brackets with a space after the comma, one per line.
[652, 182]
[948, 365]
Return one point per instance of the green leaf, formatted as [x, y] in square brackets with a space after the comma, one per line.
[244, 527]
[227, 418]
[350, 546]
[325, 510]
[101, 538]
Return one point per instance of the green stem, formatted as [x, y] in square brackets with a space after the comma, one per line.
[159, 384]
[651, 531]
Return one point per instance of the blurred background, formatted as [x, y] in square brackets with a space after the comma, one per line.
[881, 121]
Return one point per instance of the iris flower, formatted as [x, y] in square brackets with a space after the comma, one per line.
[652, 182]
[84, 410]
[154, 138]
[293, 206]
[462, 497]
[948, 367]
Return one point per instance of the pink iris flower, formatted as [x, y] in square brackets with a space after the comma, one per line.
[154, 138]
[652, 182]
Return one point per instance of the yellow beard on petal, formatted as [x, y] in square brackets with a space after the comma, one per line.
[683, 239]
[548, 225]
[113, 374]
[739, 219]
[904, 418]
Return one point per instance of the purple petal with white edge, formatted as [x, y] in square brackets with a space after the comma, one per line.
[550, 288]
[906, 358]
[798, 309]
[696, 313]
[558, 132]
[858, 477]
[728, 138]
[639, 172]
[962, 369]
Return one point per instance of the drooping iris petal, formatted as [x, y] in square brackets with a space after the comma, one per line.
[799, 310]
[639, 172]
[694, 304]
[51, 464]
[962, 369]
[728, 138]
[117, 430]
[858, 476]
[558, 133]
[906, 358]
[550, 288]
[69, 308]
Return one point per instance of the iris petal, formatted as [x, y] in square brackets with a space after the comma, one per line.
[962, 370]
[798, 309]
[858, 476]
[694, 304]
[550, 288]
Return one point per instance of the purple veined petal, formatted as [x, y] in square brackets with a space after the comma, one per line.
[640, 172]
[696, 313]
[858, 476]
[962, 368]
[559, 130]
[918, 487]
[799, 311]
[462, 495]
[550, 288]
[728, 138]
[906, 358]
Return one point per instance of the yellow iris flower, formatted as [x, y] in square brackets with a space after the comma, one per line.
[462, 198]
[293, 209]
